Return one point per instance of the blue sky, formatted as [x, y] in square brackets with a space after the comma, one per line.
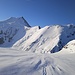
[39, 12]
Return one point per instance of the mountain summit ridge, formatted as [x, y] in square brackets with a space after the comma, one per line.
[15, 20]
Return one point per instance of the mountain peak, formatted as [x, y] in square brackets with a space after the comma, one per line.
[17, 20]
[25, 21]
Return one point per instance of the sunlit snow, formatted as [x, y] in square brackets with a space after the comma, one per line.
[26, 50]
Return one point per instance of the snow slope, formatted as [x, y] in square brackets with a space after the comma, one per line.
[68, 48]
[15, 62]
[49, 39]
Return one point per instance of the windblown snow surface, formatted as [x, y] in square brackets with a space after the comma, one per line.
[26, 50]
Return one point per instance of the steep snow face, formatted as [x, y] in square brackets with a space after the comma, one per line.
[29, 32]
[42, 41]
[12, 30]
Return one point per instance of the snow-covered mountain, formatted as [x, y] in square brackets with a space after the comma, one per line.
[49, 39]
[12, 30]
[16, 32]
[26, 50]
